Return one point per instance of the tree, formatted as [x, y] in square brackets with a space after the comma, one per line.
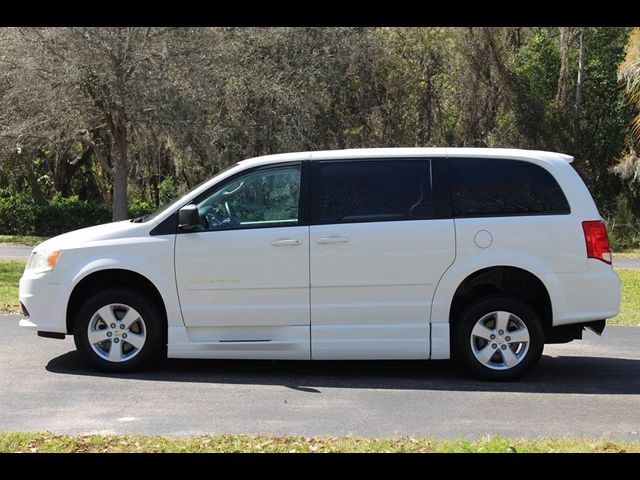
[113, 68]
[38, 119]
[117, 114]
[629, 73]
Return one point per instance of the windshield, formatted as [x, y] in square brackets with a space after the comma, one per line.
[177, 200]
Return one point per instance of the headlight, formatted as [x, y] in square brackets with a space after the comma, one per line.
[42, 261]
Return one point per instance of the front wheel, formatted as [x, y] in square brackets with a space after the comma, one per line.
[499, 338]
[117, 330]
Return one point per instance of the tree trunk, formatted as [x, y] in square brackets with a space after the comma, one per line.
[64, 171]
[36, 193]
[579, 85]
[563, 78]
[120, 164]
[425, 113]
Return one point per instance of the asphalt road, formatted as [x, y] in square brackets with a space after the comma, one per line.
[632, 263]
[15, 253]
[587, 389]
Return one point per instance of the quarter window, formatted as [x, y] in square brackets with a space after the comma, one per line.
[496, 187]
[374, 191]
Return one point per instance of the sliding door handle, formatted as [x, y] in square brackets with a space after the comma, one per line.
[332, 239]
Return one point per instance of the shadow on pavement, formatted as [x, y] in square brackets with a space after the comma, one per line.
[583, 375]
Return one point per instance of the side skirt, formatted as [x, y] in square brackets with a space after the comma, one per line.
[251, 342]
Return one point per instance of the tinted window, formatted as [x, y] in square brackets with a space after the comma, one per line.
[503, 187]
[374, 191]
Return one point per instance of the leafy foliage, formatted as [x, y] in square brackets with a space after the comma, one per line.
[629, 72]
[623, 226]
[83, 110]
[19, 215]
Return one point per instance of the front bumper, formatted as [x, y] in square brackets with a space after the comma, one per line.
[45, 302]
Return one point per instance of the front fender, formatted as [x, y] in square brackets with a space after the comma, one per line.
[152, 259]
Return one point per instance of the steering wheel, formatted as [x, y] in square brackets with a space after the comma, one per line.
[221, 216]
[231, 220]
[211, 217]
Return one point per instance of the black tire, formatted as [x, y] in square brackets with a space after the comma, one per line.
[497, 369]
[151, 326]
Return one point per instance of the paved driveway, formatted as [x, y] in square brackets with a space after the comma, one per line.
[589, 388]
[626, 262]
[15, 253]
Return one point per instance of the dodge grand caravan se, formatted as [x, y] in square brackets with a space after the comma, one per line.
[483, 255]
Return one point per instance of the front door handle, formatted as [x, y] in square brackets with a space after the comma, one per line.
[286, 241]
[332, 239]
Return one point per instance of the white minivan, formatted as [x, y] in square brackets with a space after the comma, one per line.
[483, 255]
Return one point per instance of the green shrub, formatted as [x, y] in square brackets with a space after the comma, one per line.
[64, 214]
[622, 225]
[19, 215]
[167, 190]
[138, 208]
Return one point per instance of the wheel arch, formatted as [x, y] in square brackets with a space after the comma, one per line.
[503, 280]
[99, 280]
[464, 269]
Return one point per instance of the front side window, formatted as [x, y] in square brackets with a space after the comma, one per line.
[263, 198]
[374, 191]
[499, 187]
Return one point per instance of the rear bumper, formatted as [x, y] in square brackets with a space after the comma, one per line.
[585, 296]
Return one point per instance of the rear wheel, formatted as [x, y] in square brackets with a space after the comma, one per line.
[499, 338]
[118, 330]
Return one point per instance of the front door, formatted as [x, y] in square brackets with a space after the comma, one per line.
[380, 241]
[243, 276]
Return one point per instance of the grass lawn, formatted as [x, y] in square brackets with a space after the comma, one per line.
[631, 252]
[630, 309]
[47, 442]
[28, 240]
[11, 271]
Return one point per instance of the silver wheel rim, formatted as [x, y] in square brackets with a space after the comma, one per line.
[117, 332]
[500, 340]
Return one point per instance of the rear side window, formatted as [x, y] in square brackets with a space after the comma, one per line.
[374, 191]
[496, 187]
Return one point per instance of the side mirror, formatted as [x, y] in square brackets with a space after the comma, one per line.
[188, 217]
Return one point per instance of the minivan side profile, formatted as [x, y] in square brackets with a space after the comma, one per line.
[483, 255]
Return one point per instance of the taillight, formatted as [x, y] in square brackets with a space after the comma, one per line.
[595, 235]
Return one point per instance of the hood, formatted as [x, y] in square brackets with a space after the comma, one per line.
[107, 231]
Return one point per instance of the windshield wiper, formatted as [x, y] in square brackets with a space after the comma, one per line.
[139, 219]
